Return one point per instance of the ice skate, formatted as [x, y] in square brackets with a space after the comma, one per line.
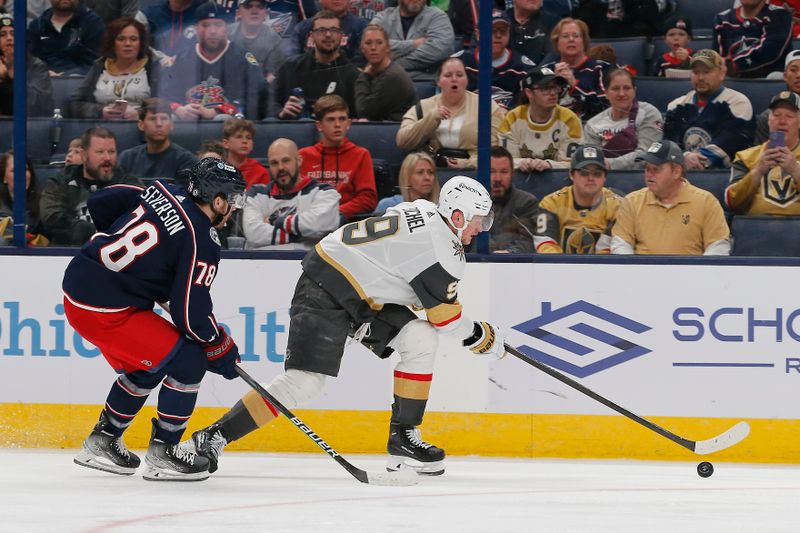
[173, 462]
[407, 450]
[103, 451]
[209, 443]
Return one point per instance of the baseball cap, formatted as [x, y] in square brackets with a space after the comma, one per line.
[498, 15]
[540, 76]
[585, 155]
[663, 151]
[788, 97]
[794, 55]
[6, 20]
[243, 2]
[708, 57]
[679, 22]
[209, 10]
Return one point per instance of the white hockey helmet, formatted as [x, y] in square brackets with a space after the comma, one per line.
[462, 193]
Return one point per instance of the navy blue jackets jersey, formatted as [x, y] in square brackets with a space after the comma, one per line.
[233, 78]
[754, 47]
[720, 129]
[588, 97]
[284, 14]
[152, 245]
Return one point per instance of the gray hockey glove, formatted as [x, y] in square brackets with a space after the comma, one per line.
[486, 340]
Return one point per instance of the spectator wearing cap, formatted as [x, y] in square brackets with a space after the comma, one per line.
[791, 75]
[421, 37]
[173, 25]
[627, 128]
[753, 38]
[123, 77]
[620, 18]
[40, 89]
[711, 122]
[67, 37]
[539, 134]
[765, 179]
[530, 27]
[578, 218]
[585, 76]
[251, 33]
[351, 28]
[508, 67]
[515, 210]
[669, 216]
[214, 79]
[677, 34]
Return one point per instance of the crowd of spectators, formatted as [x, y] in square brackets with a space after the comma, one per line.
[557, 104]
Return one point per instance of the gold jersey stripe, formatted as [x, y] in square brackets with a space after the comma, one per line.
[442, 314]
[257, 408]
[344, 272]
[412, 389]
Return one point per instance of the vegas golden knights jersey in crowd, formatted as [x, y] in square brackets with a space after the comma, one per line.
[408, 256]
[563, 227]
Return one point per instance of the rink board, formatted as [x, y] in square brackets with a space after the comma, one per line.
[694, 347]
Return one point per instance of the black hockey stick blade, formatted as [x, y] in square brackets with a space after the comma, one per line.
[400, 478]
[732, 436]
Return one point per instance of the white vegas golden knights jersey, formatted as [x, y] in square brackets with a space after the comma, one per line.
[408, 256]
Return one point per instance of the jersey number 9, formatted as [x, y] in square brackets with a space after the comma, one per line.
[369, 230]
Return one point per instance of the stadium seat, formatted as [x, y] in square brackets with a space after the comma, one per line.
[45, 172]
[63, 88]
[633, 51]
[766, 236]
[759, 91]
[380, 139]
[425, 89]
[702, 13]
[660, 91]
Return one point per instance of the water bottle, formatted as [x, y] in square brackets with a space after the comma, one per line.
[238, 105]
[55, 130]
[298, 93]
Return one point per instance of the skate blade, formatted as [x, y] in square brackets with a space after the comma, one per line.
[398, 462]
[90, 460]
[153, 473]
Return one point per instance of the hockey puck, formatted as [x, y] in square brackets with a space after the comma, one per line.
[705, 469]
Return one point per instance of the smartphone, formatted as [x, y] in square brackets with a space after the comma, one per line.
[122, 105]
[776, 139]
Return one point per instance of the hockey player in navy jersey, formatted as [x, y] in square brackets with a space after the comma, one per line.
[159, 244]
[360, 281]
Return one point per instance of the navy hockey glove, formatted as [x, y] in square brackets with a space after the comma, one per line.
[223, 356]
[487, 340]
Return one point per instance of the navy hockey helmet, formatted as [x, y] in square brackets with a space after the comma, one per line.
[211, 177]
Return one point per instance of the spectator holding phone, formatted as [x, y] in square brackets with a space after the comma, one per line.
[765, 179]
[123, 78]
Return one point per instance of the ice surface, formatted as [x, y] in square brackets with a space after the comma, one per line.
[45, 491]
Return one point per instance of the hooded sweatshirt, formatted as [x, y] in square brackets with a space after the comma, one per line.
[348, 168]
[254, 172]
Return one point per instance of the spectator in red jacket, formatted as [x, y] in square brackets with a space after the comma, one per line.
[338, 162]
[237, 139]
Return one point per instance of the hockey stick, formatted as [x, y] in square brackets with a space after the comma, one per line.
[732, 436]
[401, 478]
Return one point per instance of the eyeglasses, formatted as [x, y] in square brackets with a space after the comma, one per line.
[323, 31]
[548, 88]
[570, 36]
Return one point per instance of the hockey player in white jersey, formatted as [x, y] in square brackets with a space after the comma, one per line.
[360, 281]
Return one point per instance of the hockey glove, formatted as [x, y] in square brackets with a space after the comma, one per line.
[487, 340]
[223, 356]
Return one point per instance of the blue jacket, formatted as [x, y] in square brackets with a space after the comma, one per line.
[74, 48]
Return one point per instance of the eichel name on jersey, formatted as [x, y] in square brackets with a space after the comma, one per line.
[152, 245]
[409, 256]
